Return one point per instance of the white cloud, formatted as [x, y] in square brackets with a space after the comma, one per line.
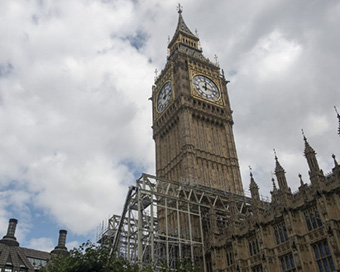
[43, 243]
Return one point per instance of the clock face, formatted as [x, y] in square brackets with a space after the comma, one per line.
[164, 96]
[206, 87]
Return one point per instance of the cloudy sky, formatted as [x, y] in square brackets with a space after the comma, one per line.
[75, 78]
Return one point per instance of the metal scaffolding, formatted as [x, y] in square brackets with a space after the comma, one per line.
[167, 223]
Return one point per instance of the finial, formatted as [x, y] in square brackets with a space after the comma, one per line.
[275, 154]
[274, 185]
[179, 8]
[156, 73]
[301, 181]
[196, 32]
[272, 174]
[303, 134]
[250, 169]
[338, 115]
[335, 162]
[168, 39]
[216, 60]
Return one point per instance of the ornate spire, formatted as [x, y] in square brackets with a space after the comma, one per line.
[280, 175]
[335, 161]
[252, 181]
[310, 155]
[308, 148]
[338, 115]
[278, 167]
[181, 26]
[254, 189]
[274, 185]
[253, 184]
[183, 35]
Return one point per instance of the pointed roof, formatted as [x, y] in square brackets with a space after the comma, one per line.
[308, 148]
[252, 181]
[181, 28]
[278, 167]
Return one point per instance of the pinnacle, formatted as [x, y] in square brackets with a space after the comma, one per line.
[274, 185]
[252, 181]
[335, 161]
[278, 167]
[181, 26]
[301, 181]
[308, 148]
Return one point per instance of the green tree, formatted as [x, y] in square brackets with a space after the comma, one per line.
[89, 257]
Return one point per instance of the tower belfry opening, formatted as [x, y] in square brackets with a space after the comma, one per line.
[194, 212]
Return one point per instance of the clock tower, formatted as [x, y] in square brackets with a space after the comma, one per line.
[192, 119]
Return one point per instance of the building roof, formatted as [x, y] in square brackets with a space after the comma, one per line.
[25, 259]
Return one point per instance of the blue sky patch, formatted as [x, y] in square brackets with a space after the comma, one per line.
[138, 40]
[5, 69]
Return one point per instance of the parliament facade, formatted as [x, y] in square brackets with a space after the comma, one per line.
[194, 211]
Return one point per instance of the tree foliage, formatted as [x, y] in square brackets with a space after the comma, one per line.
[90, 257]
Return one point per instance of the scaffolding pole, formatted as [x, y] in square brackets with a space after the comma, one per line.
[169, 221]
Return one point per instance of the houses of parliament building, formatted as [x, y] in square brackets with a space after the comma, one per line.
[194, 210]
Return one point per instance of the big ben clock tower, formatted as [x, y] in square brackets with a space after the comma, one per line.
[192, 119]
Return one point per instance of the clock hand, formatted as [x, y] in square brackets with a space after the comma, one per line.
[165, 95]
[205, 85]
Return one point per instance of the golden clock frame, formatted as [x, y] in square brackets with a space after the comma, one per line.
[167, 77]
[214, 77]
